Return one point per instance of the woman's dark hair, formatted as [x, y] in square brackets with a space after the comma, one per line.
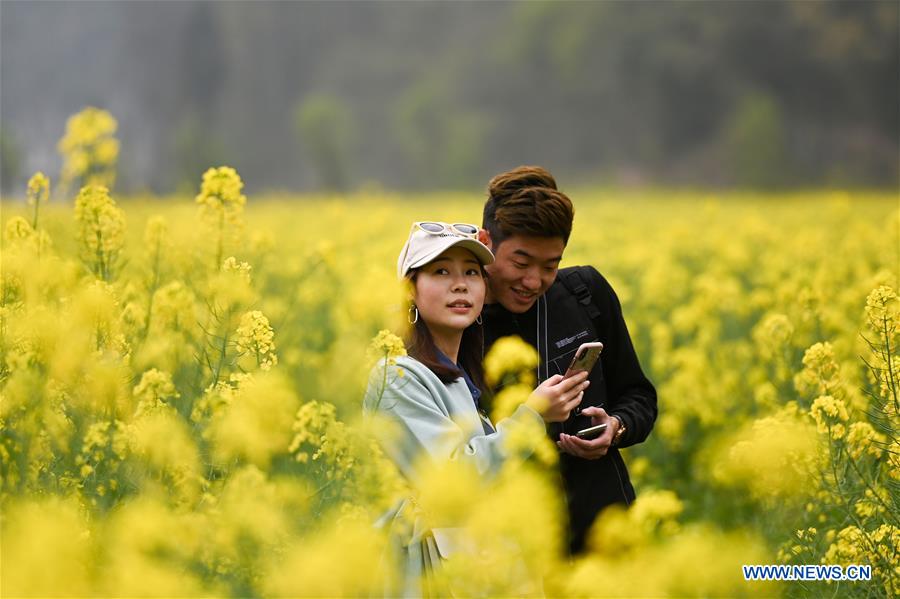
[526, 201]
[420, 345]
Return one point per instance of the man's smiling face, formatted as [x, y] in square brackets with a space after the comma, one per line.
[524, 268]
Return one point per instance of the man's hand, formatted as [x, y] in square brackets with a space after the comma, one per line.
[556, 397]
[591, 449]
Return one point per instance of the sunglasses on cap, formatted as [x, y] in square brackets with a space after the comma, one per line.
[436, 228]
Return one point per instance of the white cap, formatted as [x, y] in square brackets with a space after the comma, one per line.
[423, 246]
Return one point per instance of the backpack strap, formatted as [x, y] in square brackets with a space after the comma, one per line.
[576, 284]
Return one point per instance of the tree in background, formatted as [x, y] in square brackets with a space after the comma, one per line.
[10, 160]
[195, 150]
[442, 140]
[755, 140]
[650, 88]
[324, 128]
[195, 141]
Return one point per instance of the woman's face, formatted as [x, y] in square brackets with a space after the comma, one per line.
[449, 291]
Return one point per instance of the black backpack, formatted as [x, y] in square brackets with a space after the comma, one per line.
[576, 283]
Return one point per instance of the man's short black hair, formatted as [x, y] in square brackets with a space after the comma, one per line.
[525, 201]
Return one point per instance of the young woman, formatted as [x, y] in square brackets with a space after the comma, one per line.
[433, 394]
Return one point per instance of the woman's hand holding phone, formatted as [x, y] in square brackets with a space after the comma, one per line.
[556, 397]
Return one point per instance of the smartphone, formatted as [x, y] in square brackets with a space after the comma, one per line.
[592, 432]
[585, 358]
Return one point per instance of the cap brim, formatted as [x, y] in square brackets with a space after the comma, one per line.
[481, 252]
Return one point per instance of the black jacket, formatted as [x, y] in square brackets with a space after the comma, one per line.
[556, 325]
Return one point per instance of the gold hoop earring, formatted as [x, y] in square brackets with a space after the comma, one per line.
[412, 315]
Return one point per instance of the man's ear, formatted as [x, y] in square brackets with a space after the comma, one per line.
[485, 238]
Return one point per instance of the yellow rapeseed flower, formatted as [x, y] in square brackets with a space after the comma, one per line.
[89, 148]
[510, 356]
[146, 548]
[217, 397]
[528, 438]
[342, 559]
[38, 193]
[155, 390]
[863, 439]
[508, 399]
[386, 345]
[773, 333]
[883, 310]
[773, 457]
[220, 193]
[310, 426]
[38, 189]
[101, 229]
[21, 237]
[46, 547]
[155, 231]
[221, 203]
[255, 337]
[241, 269]
[175, 462]
[830, 415]
[174, 306]
[256, 425]
[821, 373]
[848, 547]
[17, 229]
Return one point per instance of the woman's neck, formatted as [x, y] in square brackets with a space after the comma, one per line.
[448, 342]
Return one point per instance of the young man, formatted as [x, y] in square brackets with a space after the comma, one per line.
[527, 222]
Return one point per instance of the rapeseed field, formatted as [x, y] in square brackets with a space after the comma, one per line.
[181, 382]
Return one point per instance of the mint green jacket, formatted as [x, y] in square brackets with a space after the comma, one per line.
[432, 422]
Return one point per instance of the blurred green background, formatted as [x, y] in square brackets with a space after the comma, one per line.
[408, 95]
